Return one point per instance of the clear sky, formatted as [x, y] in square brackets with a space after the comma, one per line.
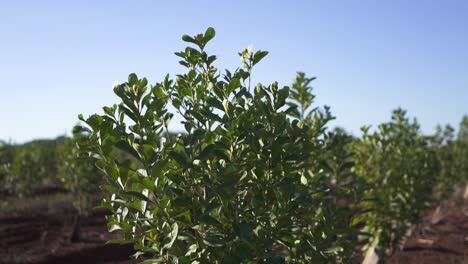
[61, 58]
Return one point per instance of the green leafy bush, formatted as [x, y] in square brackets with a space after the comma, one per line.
[30, 166]
[7, 155]
[401, 171]
[334, 159]
[245, 183]
[452, 156]
[78, 174]
[461, 151]
[444, 144]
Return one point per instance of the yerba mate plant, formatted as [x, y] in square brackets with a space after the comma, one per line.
[7, 155]
[461, 151]
[335, 160]
[77, 172]
[401, 171]
[30, 166]
[444, 144]
[241, 185]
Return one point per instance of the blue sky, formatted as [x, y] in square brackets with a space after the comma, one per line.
[61, 58]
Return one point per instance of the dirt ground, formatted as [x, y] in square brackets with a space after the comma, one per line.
[442, 238]
[43, 236]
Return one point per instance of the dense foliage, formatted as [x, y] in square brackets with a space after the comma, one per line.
[243, 185]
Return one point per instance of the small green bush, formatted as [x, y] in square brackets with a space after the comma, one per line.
[78, 174]
[461, 151]
[29, 166]
[401, 170]
[444, 144]
[246, 181]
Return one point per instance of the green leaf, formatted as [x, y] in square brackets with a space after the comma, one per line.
[258, 56]
[187, 38]
[173, 236]
[304, 180]
[206, 152]
[116, 183]
[113, 172]
[114, 227]
[138, 196]
[233, 84]
[125, 146]
[213, 240]
[209, 34]
[211, 116]
[281, 97]
[213, 102]
[179, 158]
[132, 78]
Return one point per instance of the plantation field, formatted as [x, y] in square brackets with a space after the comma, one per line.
[256, 177]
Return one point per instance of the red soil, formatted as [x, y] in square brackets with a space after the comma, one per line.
[443, 241]
[46, 239]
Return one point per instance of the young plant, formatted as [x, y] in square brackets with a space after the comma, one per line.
[401, 170]
[241, 185]
[7, 155]
[461, 152]
[78, 173]
[334, 159]
[33, 166]
[444, 144]
[79, 176]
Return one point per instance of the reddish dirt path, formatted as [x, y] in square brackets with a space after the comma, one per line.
[45, 239]
[442, 241]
